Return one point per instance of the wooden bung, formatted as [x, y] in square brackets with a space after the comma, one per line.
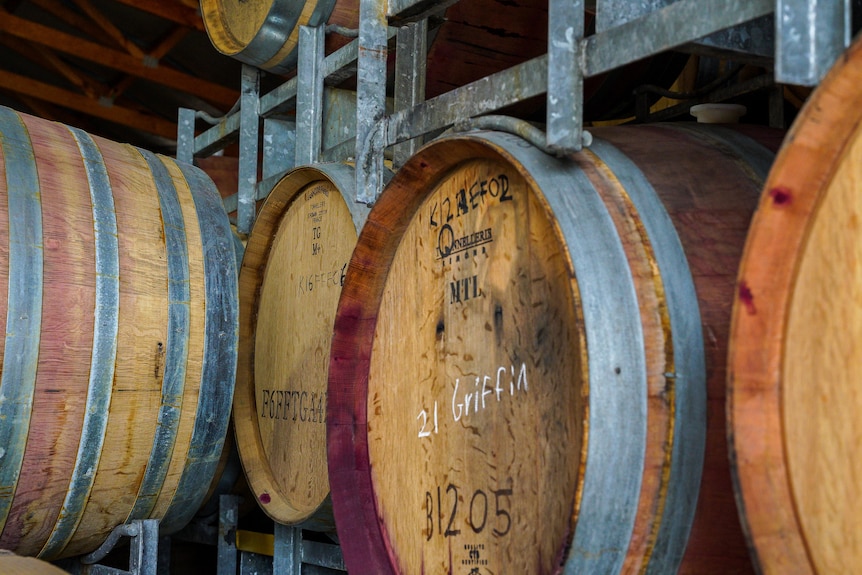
[793, 389]
[119, 307]
[290, 281]
[528, 360]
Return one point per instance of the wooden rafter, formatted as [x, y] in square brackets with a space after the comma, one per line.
[108, 27]
[29, 87]
[117, 60]
[161, 48]
[49, 60]
[70, 17]
[168, 43]
[119, 87]
[178, 13]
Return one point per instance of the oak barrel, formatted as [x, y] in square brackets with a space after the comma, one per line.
[794, 399]
[290, 281]
[121, 321]
[528, 360]
[11, 564]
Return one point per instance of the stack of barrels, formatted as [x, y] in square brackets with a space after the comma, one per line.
[526, 369]
[634, 359]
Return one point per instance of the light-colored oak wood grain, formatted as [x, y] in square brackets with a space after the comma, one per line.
[196, 341]
[16, 565]
[822, 399]
[475, 407]
[65, 349]
[446, 289]
[290, 283]
[792, 367]
[141, 346]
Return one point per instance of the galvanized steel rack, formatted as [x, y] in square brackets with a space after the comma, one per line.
[800, 39]
[803, 42]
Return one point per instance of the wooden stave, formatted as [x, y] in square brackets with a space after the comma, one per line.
[274, 45]
[798, 188]
[69, 147]
[349, 464]
[748, 152]
[259, 474]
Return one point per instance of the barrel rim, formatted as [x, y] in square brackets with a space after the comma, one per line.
[274, 44]
[787, 210]
[24, 302]
[221, 329]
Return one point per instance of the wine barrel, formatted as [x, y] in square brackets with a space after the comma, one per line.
[11, 564]
[121, 321]
[290, 280]
[794, 363]
[475, 39]
[265, 33]
[527, 365]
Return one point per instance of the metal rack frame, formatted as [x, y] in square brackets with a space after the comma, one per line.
[803, 43]
[800, 38]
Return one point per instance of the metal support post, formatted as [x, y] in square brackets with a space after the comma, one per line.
[287, 553]
[612, 13]
[227, 525]
[248, 148]
[144, 553]
[565, 79]
[279, 153]
[486, 94]
[679, 23]
[309, 95]
[754, 38]
[186, 136]
[371, 100]
[143, 550]
[410, 65]
[811, 34]
[255, 564]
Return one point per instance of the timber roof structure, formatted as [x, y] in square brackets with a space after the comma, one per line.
[115, 68]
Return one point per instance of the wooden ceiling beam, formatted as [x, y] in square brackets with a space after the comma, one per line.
[164, 46]
[118, 88]
[108, 27]
[65, 98]
[178, 13]
[37, 54]
[71, 17]
[116, 60]
[168, 43]
[90, 88]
